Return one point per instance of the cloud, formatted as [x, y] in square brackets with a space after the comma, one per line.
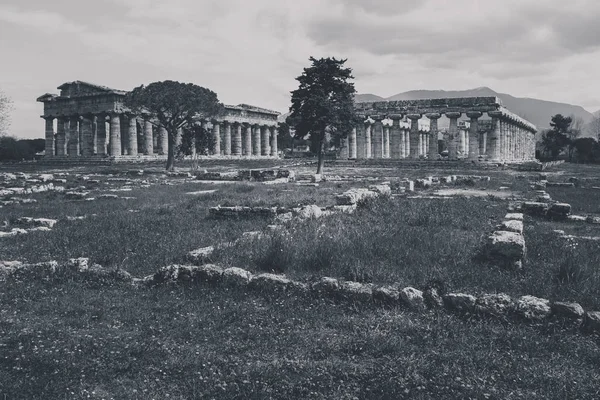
[46, 21]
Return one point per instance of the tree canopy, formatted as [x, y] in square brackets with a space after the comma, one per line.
[323, 103]
[174, 105]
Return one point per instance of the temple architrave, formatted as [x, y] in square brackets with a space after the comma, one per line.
[91, 121]
[398, 130]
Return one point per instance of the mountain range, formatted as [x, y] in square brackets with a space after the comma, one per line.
[538, 112]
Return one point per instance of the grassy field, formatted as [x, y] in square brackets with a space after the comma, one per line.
[68, 339]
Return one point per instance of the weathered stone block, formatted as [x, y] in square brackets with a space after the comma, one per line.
[356, 291]
[535, 208]
[269, 282]
[559, 210]
[308, 212]
[388, 295]
[327, 286]
[236, 277]
[512, 226]
[382, 190]
[496, 305]
[460, 302]
[78, 264]
[413, 298]
[505, 247]
[514, 216]
[533, 308]
[566, 310]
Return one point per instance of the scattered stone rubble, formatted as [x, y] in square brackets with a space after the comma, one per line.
[505, 247]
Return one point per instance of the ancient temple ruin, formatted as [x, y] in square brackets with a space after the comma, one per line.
[92, 122]
[491, 132]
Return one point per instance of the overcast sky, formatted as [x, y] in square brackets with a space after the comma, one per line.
[250, 51]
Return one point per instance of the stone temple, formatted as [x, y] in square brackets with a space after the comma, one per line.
[491, 132]
[93, 123]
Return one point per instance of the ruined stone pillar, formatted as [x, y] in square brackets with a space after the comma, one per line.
[95, 144]
[256, 140]
[85, 125]
[73, 146]
[179, 138]
[453, 134]
[395, 138]
[403, 143]
[344, 152]
[101, 147]
[377, 137]
[427, 140]
[132, 144]
[248, 141]
[368, 143]
[115, 135]
[274, 150]
[494, 141]
[461, 143]
[148, 139]
[264, 138]
[474, 135]
[227, 138]
[62, 126]
[352, 144]
[155, 141]
[413, 139]
[361, 150]
[386, 141]
[236, 143]
[483, 143]
[49, 135]
[216, 138]
[163, 139]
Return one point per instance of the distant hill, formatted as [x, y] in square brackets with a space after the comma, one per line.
[365, 98]
[597, 113]
[536, 111]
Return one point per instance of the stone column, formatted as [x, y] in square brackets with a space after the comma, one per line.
[386, 141]
[361, 151]
[494, 139]
[132, 144]
[62, 126]
[414, 135]
[155, 142]
[403, 143]
[227, 138]
[101, 134]
[483, 143]
[453, 134]
[216, 138]
[248, 141]
[115, 135]
[377, 137]
[73, 146]
[433, 135]
[163, 140]
[179, 138]
[236, 143]
[368, 143]
[49, 135]
[85, 125]
[395, 137]
[474, 135]
[274, 150]
[95, 144]
[352, 144]
[256, 140]
[148, 139]
[264, 137]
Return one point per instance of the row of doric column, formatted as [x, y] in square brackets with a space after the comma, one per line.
[242, 139]
[506, 141]
[87, 135]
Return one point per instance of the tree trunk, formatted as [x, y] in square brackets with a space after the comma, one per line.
[171, 151]
[321, 154]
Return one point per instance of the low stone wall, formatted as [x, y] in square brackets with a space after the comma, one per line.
[505, 247]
